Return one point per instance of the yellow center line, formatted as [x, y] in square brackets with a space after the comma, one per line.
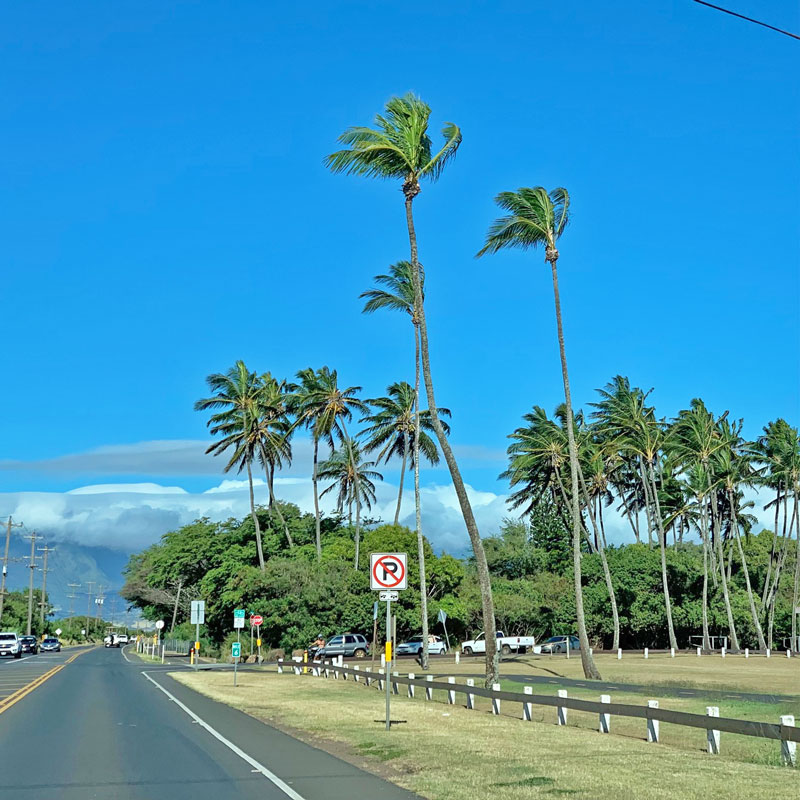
[15, 697]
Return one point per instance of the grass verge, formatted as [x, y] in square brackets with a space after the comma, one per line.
[448, 753]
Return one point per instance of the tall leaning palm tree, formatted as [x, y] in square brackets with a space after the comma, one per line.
[235, 394]
[399, 148]
[537, 218]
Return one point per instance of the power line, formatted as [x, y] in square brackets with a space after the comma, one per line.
[749, 19]
[46, 550]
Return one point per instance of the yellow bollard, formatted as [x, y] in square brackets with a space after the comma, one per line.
[305, 661]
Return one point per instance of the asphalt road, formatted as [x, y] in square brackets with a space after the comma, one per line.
[101, 727]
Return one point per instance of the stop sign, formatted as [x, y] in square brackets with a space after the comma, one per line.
[256, 620]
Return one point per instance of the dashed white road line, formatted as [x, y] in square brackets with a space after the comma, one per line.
[258, 767]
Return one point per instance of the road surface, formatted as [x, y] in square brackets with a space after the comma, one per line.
[101, 727]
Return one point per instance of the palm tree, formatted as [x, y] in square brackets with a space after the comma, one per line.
[236, 395]
[326, 409]
[399, 296]
[624, 416]
[398, 147]
[536, 219]
[273, 429]
[353, 478]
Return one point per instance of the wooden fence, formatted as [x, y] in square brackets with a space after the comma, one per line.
[785, 732]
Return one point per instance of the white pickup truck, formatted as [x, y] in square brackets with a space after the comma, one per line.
[505, 644]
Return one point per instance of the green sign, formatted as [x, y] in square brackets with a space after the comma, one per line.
[238, 618]
[236, 649]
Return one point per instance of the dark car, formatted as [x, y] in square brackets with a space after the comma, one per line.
[51, 645]
[348, 644]
[28, 644]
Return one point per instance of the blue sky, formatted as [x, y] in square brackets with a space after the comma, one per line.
[166, 211]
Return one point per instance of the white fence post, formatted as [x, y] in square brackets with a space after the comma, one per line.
[357, 676]
[411, 677]
[723, 651]
[647, 652]
[562, 710]
[653, 727]
[768, 652]
[495, 700]
[605, 718]
[451, 695]
[747, 652]
[458, 657]
[672, 652]
[619, 654]
[470, 696]
[527, 708]
[713, 735]
[368, 676]
[395, 685]
[699, 652]
[788, 749]
[788, 654]
[280, 667]
[380, 679]
[429, 689]
[383, 659]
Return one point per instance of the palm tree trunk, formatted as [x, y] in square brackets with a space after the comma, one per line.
[484, 579]
[175, 607]
[356, 489]
[253, 514]
[721, 567]
[317, 527]
[796, 586]
[273, 506]
[776, 576]
[662, 543]
[358, 526]
[402, 477]
[771, 561]
[599, 538]
[647, 507]
[423, 584]
[704, 535]
[762, 645]
[589, 668]
[270, 484]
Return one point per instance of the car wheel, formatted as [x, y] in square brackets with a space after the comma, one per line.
[505, 649]
[360, 653]
[467, 651]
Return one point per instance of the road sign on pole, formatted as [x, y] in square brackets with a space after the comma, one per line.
[256, 620]
[384, 596]
[238, 618]
[388, 571]
[160, 624]
[198, 612]
[236, 649]
[58, 631]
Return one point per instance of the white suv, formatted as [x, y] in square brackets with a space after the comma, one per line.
[9, 644]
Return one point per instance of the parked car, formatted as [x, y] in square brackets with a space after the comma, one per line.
[9, 645]
[558, 644]
[122, 638]
[413, 646]
[505, 644]
[348, 644]
[50, 645]
[28, 644]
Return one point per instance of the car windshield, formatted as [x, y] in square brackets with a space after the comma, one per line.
[50, 641]
[5, 637]
[555, 639]
[27, 638]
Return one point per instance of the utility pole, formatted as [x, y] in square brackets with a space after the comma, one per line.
[88, 605]
[71, 596]
[99, 602]
[44, 550]
[32, 566]
[9, 526]
[113, 607]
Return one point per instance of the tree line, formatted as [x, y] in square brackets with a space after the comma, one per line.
[668, 477]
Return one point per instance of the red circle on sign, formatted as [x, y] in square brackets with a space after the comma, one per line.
[256, 620]
[398, 576]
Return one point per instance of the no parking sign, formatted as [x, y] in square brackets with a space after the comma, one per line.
[388, 571]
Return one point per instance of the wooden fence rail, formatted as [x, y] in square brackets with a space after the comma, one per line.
[765, 730]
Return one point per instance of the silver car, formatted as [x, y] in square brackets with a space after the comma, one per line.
[348, 644]
[50, 645]
[10, 644]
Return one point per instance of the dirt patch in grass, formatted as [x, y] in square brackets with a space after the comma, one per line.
[447, 752]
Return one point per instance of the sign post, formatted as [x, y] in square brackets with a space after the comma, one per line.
[442, 617]
[256, 620]
[236, 651]
[388, 574]
[238, 624]
[159, 626]
[198, 619]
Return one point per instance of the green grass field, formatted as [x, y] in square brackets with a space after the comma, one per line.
[446, 752]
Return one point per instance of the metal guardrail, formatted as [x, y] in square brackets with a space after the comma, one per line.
[765, 730]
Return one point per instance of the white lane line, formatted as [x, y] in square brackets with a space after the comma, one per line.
[270, 776]
[124, 656]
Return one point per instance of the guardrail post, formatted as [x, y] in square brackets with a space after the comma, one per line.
[380, 680]
[768, 652]
[562, 710]
[429, 689]
[527, 708]
[699, 652]
[280, 666]
[619, 654]
[451, 695]
[495, 700]
[411, 677]
[653, 727]
[672, 652]
[368, 676]
[605, 719]
[470, 696]
[356, 676]
[788, 749]
[747, 652]
[458, 657]
[383, 659]
[713, 735]
[723, 651]
[788, 654]
[395, 685]
[647, 652]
